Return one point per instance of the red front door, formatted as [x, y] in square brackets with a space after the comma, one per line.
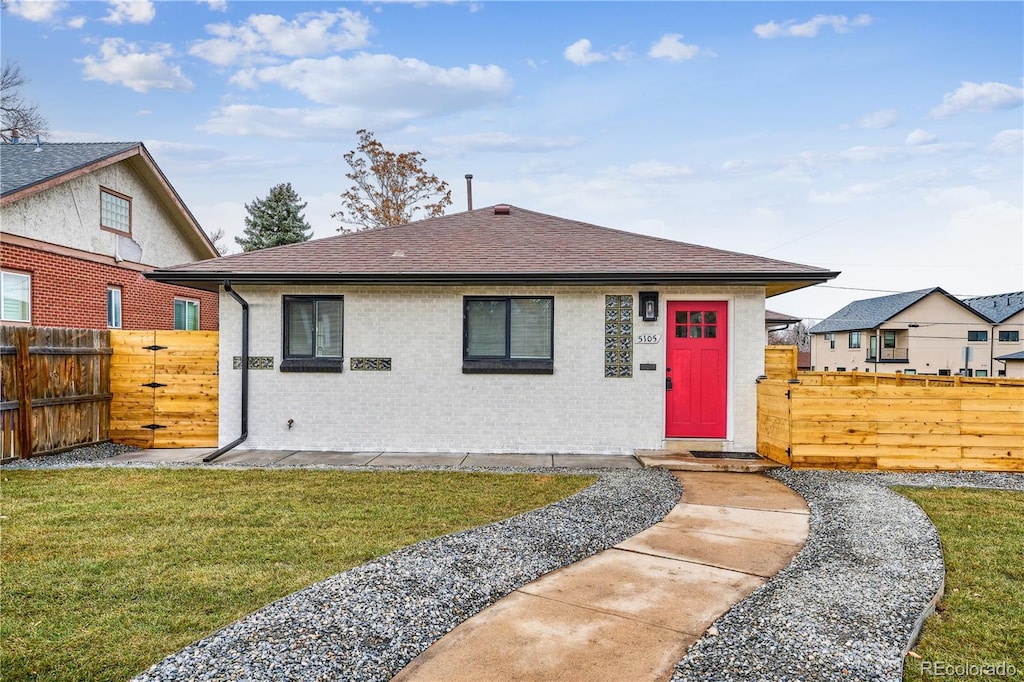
[696, 369]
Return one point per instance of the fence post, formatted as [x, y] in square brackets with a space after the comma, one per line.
[22, 369]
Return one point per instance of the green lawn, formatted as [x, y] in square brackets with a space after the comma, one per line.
[980, 621]
[106, 571]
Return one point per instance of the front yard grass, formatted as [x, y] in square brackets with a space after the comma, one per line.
[980, 620]
[106, 571]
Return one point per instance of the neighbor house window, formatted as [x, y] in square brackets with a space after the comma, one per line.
[16, 289]
[831, 338]
[115, 211]
[114, 307]
[854, 339]
[888, 339]
[186, 314]
[1009, 335]
[981, 372]
[977, 336]
[508, 334]
[313, 333]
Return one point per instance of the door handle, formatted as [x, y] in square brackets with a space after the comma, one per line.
[668, 383]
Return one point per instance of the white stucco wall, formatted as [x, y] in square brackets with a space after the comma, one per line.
[426, 404]
[69, 215]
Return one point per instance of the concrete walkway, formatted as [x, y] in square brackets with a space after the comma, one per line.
[381, 459]
[631, 612]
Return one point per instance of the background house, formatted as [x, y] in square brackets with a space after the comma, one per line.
[81, 222]
[494, 330]
[929, 331]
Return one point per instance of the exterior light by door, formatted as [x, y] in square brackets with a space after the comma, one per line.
[649, 305]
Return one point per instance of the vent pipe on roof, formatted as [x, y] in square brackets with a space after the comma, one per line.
[469, 191]
[502, 209]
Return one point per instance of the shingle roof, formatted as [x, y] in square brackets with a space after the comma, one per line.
[772, 316]
[25, 164]
[870, 312]
[481, 245]
[1019, 355]
[998, 307]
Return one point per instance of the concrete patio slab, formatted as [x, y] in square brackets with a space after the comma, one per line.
[739, 490]
[253, 456]
[596, 461]
[751, 524]
[532, 639]
[425, 459]
[329, 458]
[667, 593]
[737, 554]
[507, 461]
[164, 456]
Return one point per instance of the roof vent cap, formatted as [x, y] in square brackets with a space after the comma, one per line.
[502, 209]
[398, 254]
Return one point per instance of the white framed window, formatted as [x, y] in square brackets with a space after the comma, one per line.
[186, 314]
[16, 288]
[114, 307]
[115, 211]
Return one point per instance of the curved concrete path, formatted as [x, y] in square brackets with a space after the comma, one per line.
[632, 611]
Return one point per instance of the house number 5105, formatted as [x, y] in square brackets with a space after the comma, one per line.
[648, 338]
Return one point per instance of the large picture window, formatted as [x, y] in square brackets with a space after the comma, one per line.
[16, 291]
[313, 328]
[512, 334]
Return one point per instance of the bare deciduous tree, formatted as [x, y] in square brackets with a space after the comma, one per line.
[16, 115]
[389, 189]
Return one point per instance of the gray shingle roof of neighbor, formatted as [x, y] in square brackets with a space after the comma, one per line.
[494, 244]
[25, 164]
[870, 312]
[998, 307]
[1019, 355]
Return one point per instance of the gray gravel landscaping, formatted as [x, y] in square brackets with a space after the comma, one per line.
[853, 599]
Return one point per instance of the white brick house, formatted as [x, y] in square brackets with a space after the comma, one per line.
[498, 330]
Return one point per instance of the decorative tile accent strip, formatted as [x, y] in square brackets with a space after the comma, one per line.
[370, 364]
[255, 362]
[618, 335]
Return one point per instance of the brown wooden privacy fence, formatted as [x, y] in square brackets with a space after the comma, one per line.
[861, 420]
[54, 389]
[165, 386]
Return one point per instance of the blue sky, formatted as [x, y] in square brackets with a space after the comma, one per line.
[880, 139]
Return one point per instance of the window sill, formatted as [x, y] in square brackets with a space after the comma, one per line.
[508, 367]
[312, 365]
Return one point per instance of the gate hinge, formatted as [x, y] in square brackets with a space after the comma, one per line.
[154, 384]
[154, 427]
[787, 395]
[154, 347]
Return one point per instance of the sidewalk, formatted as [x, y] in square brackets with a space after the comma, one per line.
[382, 459]
[631, 612]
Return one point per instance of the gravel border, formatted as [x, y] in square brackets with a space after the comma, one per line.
[853, 600]
[369, 622]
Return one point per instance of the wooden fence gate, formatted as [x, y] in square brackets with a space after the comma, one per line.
[165, 388]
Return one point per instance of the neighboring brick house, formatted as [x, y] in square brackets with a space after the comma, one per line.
[79, 224]
[929, 331]
[496, 330]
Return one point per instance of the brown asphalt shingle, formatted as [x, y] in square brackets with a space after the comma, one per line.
[480, 242]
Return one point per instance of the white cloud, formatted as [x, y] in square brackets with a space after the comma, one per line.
[845, 195]
[508, 143]
[877, 120]
[958, 198]
[918, 137]
[650, 170]
[983, 97]
[809, 29]
[122, 63]
[35, 10]
[671, 46]
[76, 22]
[581, 54]
[862, 153]
[262, 37]
[215, 5]
[130, 11]
[1008, 142]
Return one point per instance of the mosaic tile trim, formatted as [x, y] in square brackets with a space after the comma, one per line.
[370, 364]
[618, 335]
[255, 362]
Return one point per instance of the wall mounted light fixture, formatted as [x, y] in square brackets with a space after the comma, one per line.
[649, 305]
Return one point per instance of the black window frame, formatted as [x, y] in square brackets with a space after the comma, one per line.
[1008, 336]
[506, 365]
[296, 362]
[976, 333]
[851, 342]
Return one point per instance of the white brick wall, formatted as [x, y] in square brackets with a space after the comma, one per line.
[426, 404]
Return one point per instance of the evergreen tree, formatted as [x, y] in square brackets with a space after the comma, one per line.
[276, 220]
